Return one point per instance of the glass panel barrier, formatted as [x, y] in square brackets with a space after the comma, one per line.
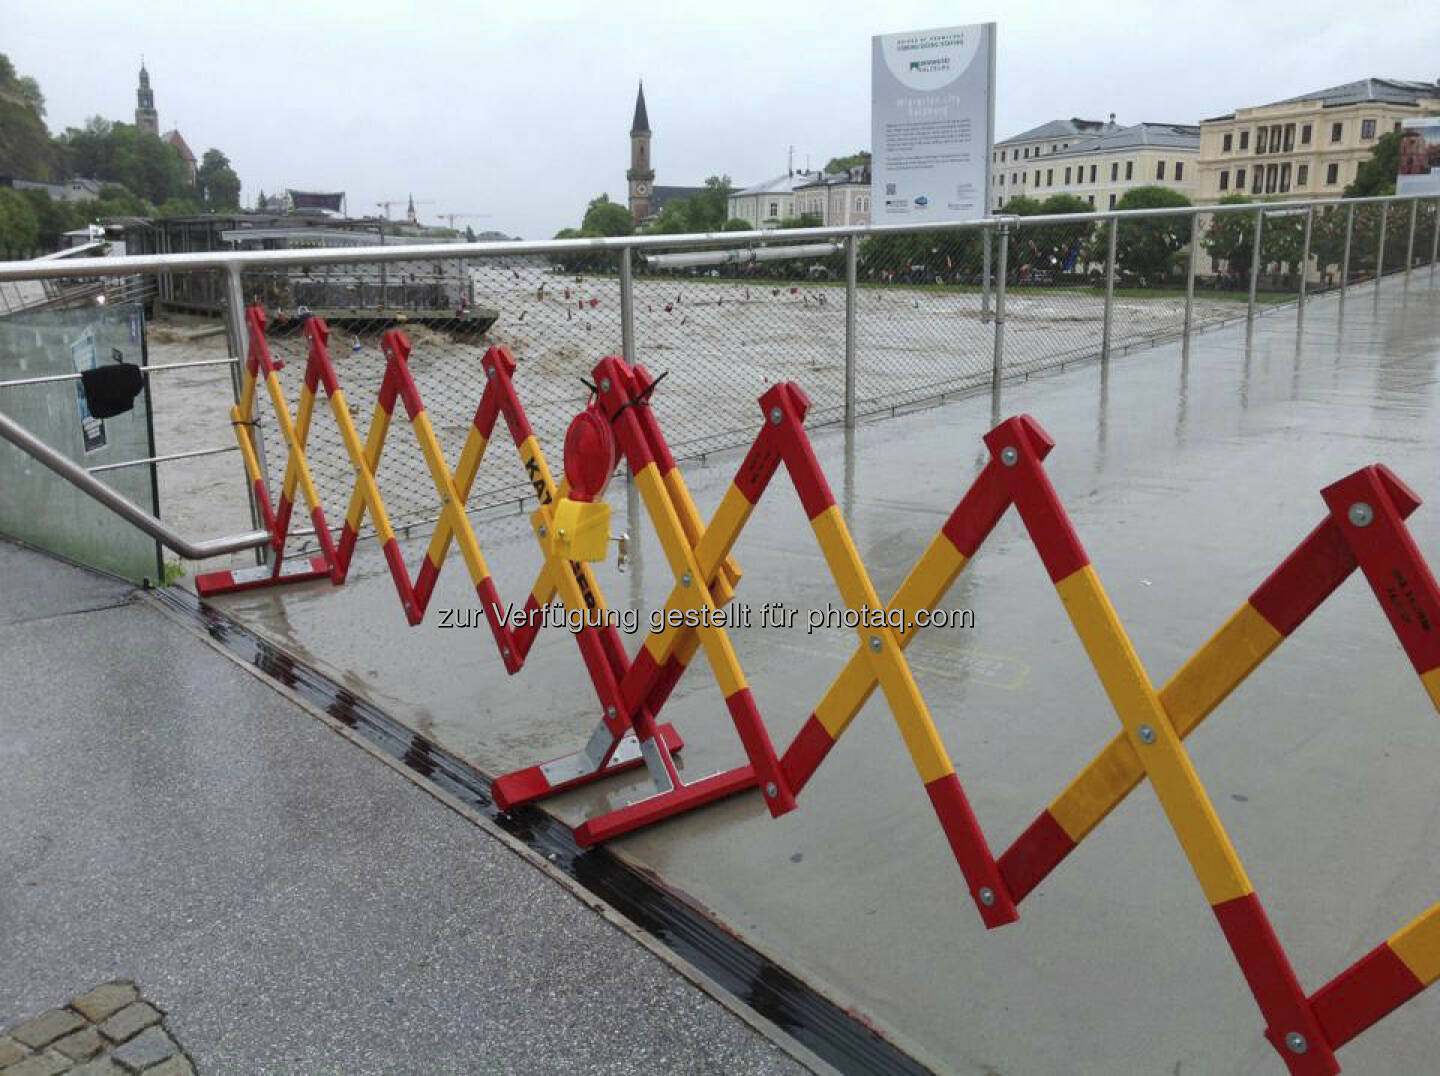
[37, 506]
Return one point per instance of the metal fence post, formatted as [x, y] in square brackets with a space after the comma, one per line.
[627, 306]
[1410, 242]
[627, 349]
[998, 365]
[1345, 258]
[1255, 258]
[1435, 239]
[1190, 276]
[1109, 289]
[1304, 266]
[852, 252]
[985, 274]
[1380, 251]
[239, 339]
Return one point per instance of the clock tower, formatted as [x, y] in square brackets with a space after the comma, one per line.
[640, 175]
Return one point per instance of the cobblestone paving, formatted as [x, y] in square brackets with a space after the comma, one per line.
[108, 1031]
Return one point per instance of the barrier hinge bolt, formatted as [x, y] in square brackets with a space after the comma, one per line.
[543, 530]
[1009, 456]
[1147, 734]
[489, 371]
[684, 579]
[987, 896]
[604, 384]
[771, 790]
[610, 711]
[1296, 1043]
[875, 643]
[776, 415]
[1361, 514]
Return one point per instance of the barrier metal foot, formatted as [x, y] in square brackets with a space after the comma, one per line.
[212, 584]
[574, 770]
[663, 805]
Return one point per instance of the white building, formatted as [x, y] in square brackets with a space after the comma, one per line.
[837, 198]
[766, 204]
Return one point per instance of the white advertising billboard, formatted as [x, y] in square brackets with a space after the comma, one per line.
[932, 124]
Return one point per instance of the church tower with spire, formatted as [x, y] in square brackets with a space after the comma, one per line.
[640, 176]
[146, 118]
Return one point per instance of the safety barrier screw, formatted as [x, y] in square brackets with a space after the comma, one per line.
[1296, 1043]
[543, 530]
[685, 579]
[604, 384]
[987, 896]
[771, 789]
[1147, 734]
[1009, 456]
[875, 643]
[610, 711]
[1361, 514]
[775, 415]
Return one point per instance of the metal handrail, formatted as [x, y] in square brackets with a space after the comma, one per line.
[251, 259]
[127, 509]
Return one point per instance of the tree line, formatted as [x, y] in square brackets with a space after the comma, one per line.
[140, 174]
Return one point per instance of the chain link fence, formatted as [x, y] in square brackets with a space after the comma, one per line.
[724, 322]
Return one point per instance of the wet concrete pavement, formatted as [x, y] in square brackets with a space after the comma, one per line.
[1188, 480]
[289, 901]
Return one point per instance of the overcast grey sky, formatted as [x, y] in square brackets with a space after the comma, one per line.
[522, 110]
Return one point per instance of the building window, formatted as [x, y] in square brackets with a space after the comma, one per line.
[1179, 171]
[1002, 156]
[1261, 134]
[1092, 200]
[1067, 177]
[1112, 201]
[1244, 140]
[1224, 179]
[1259, 180]
[1049, 177]
[1337, 132]
[1305, 135]
[1114, 171]
[1027, 153]
[1332, 175]
[1302, 175]
[1275, 138]
[1129, 169]
[1228, 143]
[1289, 137]
[1002, 179]
[1037, 177]
[774, 209]
[1159, 169]
[1052, 147]
[1284, 177]
[1367, 129]
[1239, 179]
[1092, 173]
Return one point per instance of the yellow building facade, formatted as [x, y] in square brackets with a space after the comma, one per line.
[1308, 146]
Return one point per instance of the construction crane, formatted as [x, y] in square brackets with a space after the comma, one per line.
[451, 218]
[385, 206]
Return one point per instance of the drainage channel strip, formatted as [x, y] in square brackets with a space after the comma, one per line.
[824, 1028]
